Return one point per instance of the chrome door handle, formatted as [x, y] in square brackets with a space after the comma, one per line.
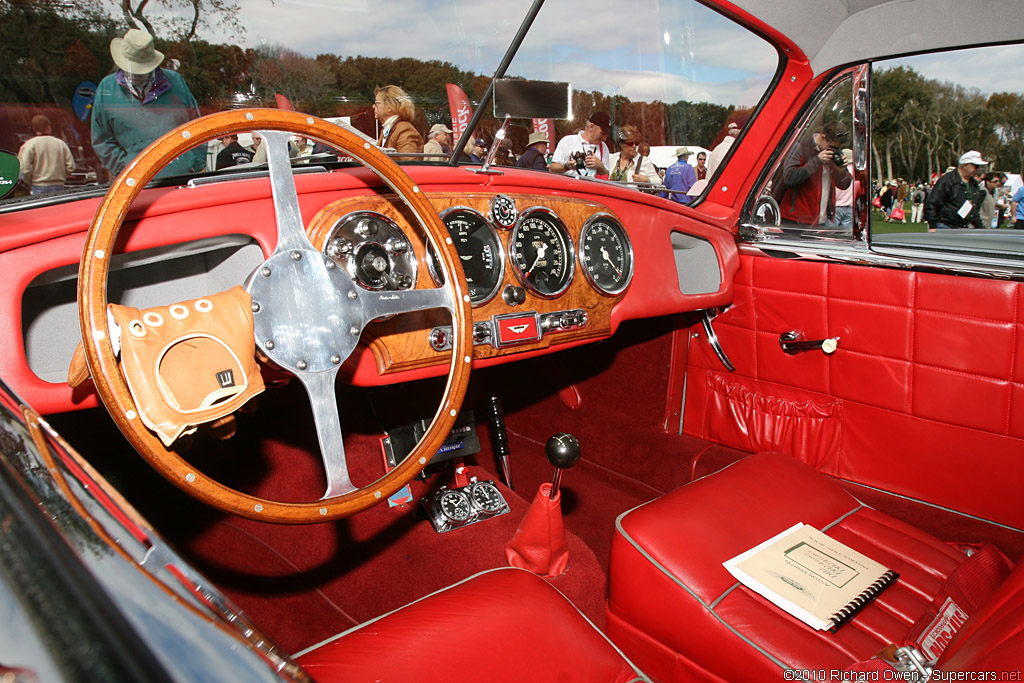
[792, 344]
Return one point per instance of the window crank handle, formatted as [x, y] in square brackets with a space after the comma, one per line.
[792, 344]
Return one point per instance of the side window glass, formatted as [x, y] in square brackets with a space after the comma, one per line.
[947, 155]
[817, 186]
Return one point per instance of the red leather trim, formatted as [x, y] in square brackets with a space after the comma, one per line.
[929, 376]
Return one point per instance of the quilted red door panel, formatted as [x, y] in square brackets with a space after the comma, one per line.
[924, 397]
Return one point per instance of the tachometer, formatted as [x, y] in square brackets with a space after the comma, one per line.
[479, 250]
[542, 252]
[606, 254]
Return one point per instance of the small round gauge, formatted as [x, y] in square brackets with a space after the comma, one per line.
[455, 506]
[479, 250]
[541, 251]
[485, 496]
[503, 211]
[606, 255]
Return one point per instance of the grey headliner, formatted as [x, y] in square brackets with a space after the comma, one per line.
[836, 32]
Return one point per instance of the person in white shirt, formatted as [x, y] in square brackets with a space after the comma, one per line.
[46, 161]
[627, 165]
[585, 153]
[720, 150]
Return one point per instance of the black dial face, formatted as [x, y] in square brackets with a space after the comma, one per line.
[455, 506]
[503, 211]
[479, 250]
[541, 251]
[485, 496]
[606, 255]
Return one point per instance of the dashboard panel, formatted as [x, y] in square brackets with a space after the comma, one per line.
[530, 282]
[185, 242]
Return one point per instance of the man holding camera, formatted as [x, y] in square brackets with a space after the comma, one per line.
[585, 153]
[811, 173]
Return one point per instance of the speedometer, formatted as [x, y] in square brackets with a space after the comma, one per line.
[479, 250]
[542, 253]
[606, 256]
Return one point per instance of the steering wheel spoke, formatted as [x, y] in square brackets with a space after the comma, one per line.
[391, 302]
[291, 231]
[323, 399]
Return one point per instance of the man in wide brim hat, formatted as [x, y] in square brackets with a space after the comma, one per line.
[535, 155]
[135, 53]
[140, 102]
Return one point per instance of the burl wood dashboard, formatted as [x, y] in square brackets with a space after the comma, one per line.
[542, 270]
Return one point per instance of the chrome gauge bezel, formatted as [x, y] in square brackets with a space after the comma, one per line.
[351, 235]
[616, 225]
[459, 497]
[496, 241]
[569, 256]
[502, 211]
[488, 488]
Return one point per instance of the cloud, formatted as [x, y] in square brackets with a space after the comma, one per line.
[678, 51]
[988, 69]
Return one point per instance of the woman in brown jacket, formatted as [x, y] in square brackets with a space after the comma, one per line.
[395, 110]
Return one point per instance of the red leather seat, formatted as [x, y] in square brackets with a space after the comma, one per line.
[680, 615]
[501, 625]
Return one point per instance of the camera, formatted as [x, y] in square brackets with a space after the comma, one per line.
[837, 156]
[579, 160]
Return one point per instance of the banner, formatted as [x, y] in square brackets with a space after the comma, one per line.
[546, 126]
[283, 102]
[461, 110]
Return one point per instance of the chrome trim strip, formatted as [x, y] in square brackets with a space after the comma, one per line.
[845, 251]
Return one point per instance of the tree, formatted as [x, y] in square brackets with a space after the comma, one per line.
[893, 90]
[1008, 116]
[308, 83]
[198, 14]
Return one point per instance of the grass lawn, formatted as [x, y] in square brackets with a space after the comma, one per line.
[879, 226]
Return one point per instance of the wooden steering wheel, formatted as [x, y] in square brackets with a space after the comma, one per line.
[282, 288]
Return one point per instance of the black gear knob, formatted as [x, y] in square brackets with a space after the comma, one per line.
[563, 450]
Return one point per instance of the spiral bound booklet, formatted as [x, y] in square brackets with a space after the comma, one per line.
[814, 577]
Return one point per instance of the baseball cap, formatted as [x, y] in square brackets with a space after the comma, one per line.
[602, 119]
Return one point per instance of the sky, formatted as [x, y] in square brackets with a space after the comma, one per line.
[989, 69]
[673, 52]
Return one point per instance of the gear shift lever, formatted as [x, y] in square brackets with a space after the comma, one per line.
[563, 451]
[540, 543]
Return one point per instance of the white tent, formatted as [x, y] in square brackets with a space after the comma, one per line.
[664, 156]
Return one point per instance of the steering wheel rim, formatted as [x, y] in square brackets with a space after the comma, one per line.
[112, 387]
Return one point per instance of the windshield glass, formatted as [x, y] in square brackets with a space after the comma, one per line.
[86, 86]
